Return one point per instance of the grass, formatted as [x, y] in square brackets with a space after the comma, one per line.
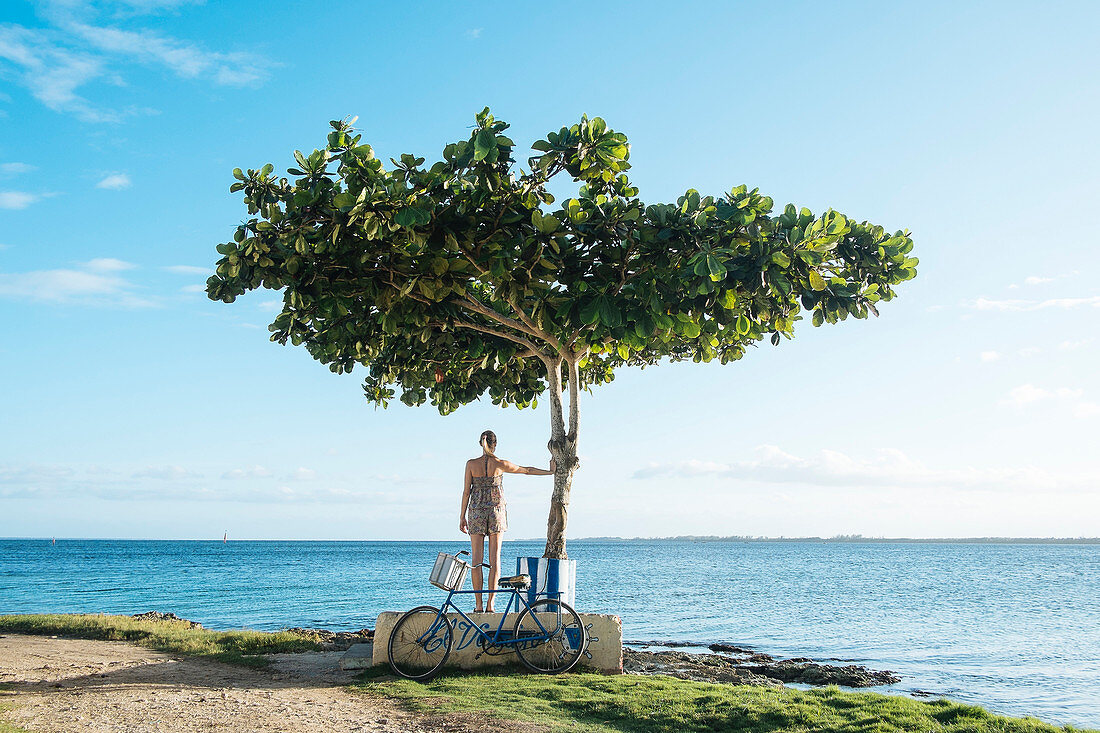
[6, 727]
[234, 647]
[592, 703]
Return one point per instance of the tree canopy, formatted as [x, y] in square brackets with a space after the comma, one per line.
[459, 279]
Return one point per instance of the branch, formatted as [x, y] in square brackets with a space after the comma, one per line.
[532, 328]
[534, 350]
[478, 307]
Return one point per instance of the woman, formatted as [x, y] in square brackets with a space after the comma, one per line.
[484, 512]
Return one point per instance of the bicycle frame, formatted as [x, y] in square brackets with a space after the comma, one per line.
[495, 639]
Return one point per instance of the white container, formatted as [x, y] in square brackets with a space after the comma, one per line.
[549, 578]
[449, 572]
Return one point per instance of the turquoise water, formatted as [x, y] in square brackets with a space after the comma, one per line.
[1015, 628]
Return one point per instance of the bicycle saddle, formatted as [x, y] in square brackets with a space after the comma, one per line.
[520, 582]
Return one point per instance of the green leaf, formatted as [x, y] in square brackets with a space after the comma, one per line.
[715, 268]
[609, 313]
[782, 259]
[484, 143]
[743, 324]
[545, 224]
[590, 311]
[782, 283]
[816, 281]
[728, 300]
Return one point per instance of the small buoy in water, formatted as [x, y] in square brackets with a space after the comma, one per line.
[225, 538]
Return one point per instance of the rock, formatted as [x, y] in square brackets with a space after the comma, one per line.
[698, 667]
[812, 673]
[158, 616]
[728, 649]
[332, 641]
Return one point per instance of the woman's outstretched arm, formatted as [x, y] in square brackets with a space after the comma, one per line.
[509, 467]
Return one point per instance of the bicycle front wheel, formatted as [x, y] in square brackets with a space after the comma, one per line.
[420, 643]
[557, 638]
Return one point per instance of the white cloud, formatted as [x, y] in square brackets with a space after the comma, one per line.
[1072, 345]
[97, 282]
[14, 169]
[303, 474]
[189, 270]
[17, 199]
[115, 182]
[990, 355]
[184, 58]
[56, 63]
[51, 72]
[165, 473]
[242, 473]
[987, 304]
[172, 482]
[474, 33]
[193, 288]
[1035, 280]
[108, 264]
[1027, 395]
[887, 469]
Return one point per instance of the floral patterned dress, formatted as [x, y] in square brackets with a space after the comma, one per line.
[486, 513]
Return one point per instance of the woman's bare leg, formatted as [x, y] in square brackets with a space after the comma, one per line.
[494, 566]
[477, 555]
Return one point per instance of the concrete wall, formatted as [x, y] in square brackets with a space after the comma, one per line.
[604, 652]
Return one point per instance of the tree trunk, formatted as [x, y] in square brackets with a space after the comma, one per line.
[563, 447]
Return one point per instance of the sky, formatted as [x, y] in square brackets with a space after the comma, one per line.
[132, 406]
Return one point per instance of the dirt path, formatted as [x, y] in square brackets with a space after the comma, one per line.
[55, 684]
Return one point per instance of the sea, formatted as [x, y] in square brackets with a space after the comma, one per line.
[1012, 627]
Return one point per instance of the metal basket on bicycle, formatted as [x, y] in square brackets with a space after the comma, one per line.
[449, 572]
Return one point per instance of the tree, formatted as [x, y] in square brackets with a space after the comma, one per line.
[457, 280]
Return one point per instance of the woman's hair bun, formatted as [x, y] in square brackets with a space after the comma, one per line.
[489, 440]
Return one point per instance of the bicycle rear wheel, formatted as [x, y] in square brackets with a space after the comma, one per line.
[420, 643]
[557, 637]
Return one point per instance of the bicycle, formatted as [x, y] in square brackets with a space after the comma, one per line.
[548, 635]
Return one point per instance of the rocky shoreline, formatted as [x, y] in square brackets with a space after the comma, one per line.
[726, 663]
[736, 666]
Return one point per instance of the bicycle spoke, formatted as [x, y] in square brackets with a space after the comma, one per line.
[557, 637]
[419, 643]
